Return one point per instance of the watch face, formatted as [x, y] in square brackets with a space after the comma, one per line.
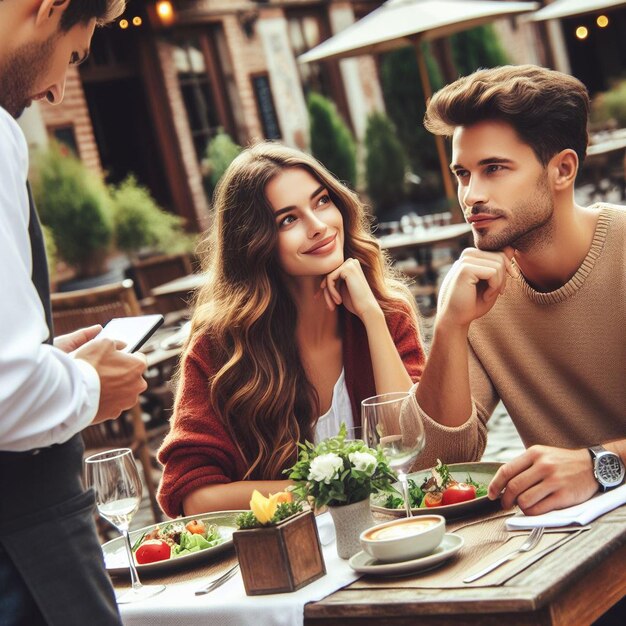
[609, 469]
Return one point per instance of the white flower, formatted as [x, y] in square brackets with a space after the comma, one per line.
[325, 467]
[363, 461]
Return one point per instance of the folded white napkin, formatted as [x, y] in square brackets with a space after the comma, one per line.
[579, 514]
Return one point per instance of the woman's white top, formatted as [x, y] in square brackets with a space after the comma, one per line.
[340, 411]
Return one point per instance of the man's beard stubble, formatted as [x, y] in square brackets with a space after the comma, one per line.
[529, 222]
[19, 73]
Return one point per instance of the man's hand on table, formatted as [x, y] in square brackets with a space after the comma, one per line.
[543, 479]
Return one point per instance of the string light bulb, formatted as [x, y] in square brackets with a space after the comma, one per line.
[123, 24]
[582, 32]
[602, 21]
[137, 21]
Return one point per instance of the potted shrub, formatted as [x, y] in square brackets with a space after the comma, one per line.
[74, 203]
[220, 153]
[141, 226]
[385, 163]
[331, 140]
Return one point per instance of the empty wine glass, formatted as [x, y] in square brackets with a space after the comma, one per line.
[392, 421]
[114, 477]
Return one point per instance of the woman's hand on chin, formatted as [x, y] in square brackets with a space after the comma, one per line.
[347, 285]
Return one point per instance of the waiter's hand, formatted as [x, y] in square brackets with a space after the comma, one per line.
[121, 376]
[543, 479]
[72, 341]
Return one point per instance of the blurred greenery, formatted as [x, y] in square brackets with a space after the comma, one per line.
[75, 204]
[404, 99]
[609, 108]
[51, 252]
[385, 162]
[332, 142]
[477, 48]
[142, 226]
[404, 96]
[220, 153]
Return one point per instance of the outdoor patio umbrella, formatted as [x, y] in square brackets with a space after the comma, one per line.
[570, 8]
[399, 23]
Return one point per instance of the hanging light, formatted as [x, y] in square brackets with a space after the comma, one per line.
[123, 24]
[137, 21]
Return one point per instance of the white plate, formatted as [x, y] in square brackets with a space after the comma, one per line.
[363, 563]
[116, 560]
[481, 472]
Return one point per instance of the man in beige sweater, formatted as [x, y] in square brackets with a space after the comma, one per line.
[535, 315]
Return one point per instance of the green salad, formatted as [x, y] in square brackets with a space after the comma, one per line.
[439, 489]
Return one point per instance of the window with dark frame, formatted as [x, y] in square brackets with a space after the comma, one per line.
[265, 106]
[66, 136]
[197, 93]
[307, 28]
[305, 32]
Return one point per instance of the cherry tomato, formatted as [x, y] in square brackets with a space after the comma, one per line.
[432, 498]
[151, 551]
[461, 492]
[196, 527]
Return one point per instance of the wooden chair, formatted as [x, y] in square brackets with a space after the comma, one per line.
[78, 309]
[157, 270]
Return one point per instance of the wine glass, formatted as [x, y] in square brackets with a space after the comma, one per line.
[392, 421]
[114, 477]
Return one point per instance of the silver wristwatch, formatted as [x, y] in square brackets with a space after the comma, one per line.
[608, 468]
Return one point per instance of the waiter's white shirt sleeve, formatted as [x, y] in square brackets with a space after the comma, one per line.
[46, 396]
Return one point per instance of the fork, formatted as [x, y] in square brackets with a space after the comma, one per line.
[217, 582]
[531, 541]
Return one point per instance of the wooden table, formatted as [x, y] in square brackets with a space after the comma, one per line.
[420, 245]
[573, 585]
[425, 238]
[177, 294]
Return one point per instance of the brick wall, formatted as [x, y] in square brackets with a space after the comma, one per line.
[73, 111]
[247, 57]
[183, 132]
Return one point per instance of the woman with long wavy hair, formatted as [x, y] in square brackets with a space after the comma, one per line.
[300, 319]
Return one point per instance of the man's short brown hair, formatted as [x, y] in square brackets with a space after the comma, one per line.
[549, 110]
[83, 11]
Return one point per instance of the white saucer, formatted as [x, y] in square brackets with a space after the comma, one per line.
[363, 563]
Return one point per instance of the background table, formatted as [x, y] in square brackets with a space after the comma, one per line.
[420, 245]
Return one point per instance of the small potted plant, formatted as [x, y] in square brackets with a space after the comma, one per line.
[277, 545]
[342, 474]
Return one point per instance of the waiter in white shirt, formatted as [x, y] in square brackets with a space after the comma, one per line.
[51, 566]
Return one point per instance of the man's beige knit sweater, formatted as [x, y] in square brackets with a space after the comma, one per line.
[557, 360]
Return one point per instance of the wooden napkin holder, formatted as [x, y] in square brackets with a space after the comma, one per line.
[280, 558]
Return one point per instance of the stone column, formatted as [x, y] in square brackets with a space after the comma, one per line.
[360, 78]
[284, 80]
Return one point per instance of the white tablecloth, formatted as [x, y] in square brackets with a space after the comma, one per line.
[230, 606]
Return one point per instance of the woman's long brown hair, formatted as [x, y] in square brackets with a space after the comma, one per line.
[260, 389]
